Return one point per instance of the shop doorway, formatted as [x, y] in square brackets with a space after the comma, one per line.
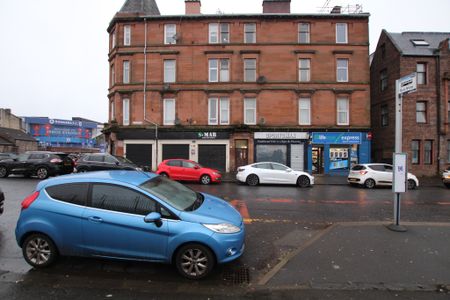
[317, 160]
[241, 153]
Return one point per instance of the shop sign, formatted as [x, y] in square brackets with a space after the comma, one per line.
[347, 138]
[282, 135]
[207, 135]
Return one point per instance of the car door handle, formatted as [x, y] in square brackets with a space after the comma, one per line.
[95, 219]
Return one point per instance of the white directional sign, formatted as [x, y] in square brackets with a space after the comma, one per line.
[407, 84]
[400, 173]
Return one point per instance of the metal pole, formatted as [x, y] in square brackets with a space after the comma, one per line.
[398, 149]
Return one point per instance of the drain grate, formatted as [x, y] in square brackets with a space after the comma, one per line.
[237, 275]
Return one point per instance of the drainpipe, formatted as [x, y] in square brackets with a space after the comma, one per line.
[439, 109]
[145, 93]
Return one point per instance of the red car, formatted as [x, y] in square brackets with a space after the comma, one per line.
[188, 170]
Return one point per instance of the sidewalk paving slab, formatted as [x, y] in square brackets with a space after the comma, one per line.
[371, 256]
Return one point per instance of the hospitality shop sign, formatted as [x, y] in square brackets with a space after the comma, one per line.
[348, 138]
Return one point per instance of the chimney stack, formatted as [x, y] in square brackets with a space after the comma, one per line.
[193, 7]
[276, 6]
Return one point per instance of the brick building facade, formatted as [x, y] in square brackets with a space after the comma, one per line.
[426, 112]
[227, 90]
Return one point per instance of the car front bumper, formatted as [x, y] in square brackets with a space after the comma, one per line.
[240, 177]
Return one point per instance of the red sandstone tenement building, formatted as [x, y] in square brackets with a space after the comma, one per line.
[232, 89]
[426, 112]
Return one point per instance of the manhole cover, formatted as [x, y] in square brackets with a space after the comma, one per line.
[238, 275]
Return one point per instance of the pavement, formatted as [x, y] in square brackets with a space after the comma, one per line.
[322, 179]
[367, 256]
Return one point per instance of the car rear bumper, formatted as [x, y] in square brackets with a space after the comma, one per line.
[353, 180]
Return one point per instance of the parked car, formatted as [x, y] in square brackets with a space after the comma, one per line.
[37, 163]
[2, 200]
[103, 161]
[4, 156]
[446, 177]
[272, 172]
[372, 175]
[188, 170]
[129, 215]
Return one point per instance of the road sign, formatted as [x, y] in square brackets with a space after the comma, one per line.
[407, 84]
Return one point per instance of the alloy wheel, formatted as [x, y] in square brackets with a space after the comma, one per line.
[3, 172]
[369, 183]
[39, 250]
[252, 180]
[205, 179]
[411, 184]
[42, 173]
[194, 261]
[303, 181]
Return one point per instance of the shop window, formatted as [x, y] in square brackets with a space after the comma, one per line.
[339, 158]
[273, 153]
[415, 149]
[448, 151]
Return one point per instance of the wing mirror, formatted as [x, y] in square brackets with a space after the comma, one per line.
[197, 167]
[153, 217]
[289, 170]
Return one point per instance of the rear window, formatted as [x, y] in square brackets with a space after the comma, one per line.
[75, 193]
[358, 168]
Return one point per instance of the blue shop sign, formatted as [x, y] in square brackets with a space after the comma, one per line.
[328, 138]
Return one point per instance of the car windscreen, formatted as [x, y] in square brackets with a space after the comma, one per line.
[172, 192]
[123, 160]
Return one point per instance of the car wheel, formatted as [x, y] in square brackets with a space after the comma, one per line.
[163, 174]
[252, 180]
[303, 181]
[42, 173]
[39, 250]
[205, 179]
[194, 261]
[3, 172]
[82, 170]
[447, 185]
[369, 183]
[411, 184]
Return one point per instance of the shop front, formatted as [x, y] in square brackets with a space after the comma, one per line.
[336, 152]
[287, 148]
[210, 149]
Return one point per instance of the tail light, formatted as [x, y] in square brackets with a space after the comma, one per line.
[241, 169]
[30, 199]
[56, 161]
[363, 172]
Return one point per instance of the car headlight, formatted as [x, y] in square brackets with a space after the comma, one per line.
[223, 228]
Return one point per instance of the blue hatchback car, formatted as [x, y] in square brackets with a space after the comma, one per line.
[128, 215]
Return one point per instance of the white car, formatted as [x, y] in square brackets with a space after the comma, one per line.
[272, 172]
[446, 178]
[371, 175]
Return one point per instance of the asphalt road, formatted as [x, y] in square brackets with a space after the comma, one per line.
[279, 219]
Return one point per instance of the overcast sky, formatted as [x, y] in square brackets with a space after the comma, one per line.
[53, 53]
